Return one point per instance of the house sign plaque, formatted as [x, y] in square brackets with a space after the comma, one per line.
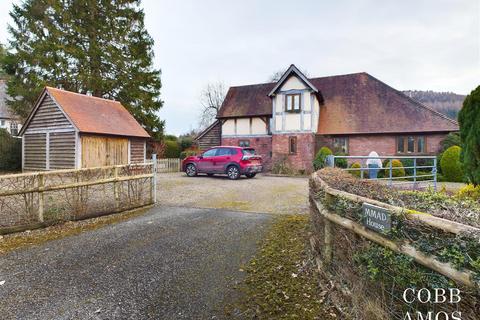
[376, 218]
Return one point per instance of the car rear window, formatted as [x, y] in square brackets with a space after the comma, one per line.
[248, 152]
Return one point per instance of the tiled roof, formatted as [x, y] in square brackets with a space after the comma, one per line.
[96, 115]
[252, 100]
[350, 104]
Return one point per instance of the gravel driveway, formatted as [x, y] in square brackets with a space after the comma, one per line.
[288, 195]
[171, 263]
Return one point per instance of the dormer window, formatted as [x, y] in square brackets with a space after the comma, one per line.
[292, 102]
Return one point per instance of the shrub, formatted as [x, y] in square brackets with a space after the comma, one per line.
[185, 143]
[282, 167]
[469, 191]
[469, 119]
[397, 168]
[172, 149]
[170, 137]
[341, 162]
[420, 163]
[451, 166]
[321, 157]
[356, 173]
[189, 153]
[10, 152]
[452, 139]
[407, 163]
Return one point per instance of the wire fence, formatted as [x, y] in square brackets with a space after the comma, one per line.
[34, 199]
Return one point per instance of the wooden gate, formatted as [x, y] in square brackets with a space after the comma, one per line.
[103, 151]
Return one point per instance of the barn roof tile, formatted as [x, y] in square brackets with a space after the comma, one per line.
[97, 115]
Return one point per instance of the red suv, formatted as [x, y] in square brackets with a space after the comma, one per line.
[233, 161]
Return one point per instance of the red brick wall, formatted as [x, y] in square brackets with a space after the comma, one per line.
[433, 142]
[384, 145]
[303, 159]
[275, 148]
[262, 146]
[363, 145]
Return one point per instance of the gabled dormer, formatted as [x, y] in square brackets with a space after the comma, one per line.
[295, 106]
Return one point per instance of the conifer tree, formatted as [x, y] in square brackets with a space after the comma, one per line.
[469, 119]
[96, 46]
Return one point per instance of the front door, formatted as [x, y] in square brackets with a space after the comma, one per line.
[205, 164]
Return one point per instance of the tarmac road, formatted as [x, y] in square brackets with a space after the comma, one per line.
[170, 263]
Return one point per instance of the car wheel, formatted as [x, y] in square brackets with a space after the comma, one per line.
[210, 174]
[191, 170]
[250, 175]
[233, 173]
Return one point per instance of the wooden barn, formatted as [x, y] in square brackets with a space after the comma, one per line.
[210, 137]
[68, 130]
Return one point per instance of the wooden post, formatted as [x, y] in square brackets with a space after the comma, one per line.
[76, 195]
[429, 261]
[41, 197]
[153, 187]
[390, 182]
[328, 251]
[116, 190]
[328, 235]
[414, 173]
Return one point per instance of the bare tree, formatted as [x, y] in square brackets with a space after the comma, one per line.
[211, 99]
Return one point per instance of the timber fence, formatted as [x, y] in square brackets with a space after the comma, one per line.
[31, 200]
[169, 165]
[368, 271]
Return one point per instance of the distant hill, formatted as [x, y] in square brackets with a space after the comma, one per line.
[448, 103]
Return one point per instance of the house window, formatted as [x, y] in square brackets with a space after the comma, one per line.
[14, 128]
[411, 144]
[244, 143]
[421, 144]
[400, 145]
[341, 144]
[292, 102]
[292, 145]
[2, 123]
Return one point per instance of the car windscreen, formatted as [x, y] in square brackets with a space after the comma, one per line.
[248, 152]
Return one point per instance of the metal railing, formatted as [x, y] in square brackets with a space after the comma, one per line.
[417, 173]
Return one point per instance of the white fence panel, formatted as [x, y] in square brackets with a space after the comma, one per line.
[169, 165]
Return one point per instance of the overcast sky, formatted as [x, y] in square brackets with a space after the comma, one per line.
[423, 45]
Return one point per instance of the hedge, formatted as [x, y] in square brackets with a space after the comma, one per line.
[321, 157]
[451, 166]
[10, 152]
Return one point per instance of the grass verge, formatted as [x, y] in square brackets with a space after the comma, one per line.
[28, 238]
[281, 280]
